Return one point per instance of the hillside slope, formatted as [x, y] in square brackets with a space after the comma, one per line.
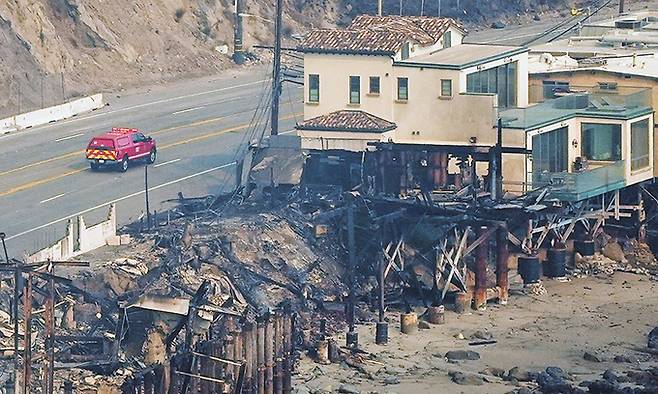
[55, 49]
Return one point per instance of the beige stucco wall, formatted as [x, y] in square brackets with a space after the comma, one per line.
[335, 71]
[355, 142]
[575, 144]
[591, 78]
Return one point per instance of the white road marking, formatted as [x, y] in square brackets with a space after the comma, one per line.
[187, 110]
[165, 163]
[121, 199]
[69, 137]
[52, 198]
[288, 132]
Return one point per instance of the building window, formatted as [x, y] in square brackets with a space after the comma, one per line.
[552, 88]
[446, 88]
[501, 80]
[405, 51]
[403, 89]
[355, 90]
[447, 39]
[608, 85]
[601, 142]
[314, 88]
[374, 85]
[549, 151]
[640, 144]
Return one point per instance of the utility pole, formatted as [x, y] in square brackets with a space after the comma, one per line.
[238, 53]
[146, 197]
[352, 335]
[439, 12]
[276, 77]
[379, 7]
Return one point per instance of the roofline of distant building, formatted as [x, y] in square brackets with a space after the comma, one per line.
[408, 63]
[346, 129]
[607, 115]
[622, 73]
[346, 52]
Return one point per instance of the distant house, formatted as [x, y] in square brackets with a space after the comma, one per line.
[409, 85]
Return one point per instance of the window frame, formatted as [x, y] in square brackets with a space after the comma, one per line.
[311, 97]
[643, 161]
[406, 50]
[352, 84]
[370, 85]
[589, 141]
[447, 39]
[406, 87]
[443, 93]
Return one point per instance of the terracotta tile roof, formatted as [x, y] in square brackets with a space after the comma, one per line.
[377, 34]
[349, 121]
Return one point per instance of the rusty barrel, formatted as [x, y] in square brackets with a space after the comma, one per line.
[586, 247]
[462, 302]
[408, 322]
[323, 351]
[436, 314]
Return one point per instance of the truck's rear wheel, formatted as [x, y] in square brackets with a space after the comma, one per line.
[152, 156]
[123, 165]
[94, 166]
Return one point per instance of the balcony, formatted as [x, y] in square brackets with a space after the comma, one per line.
[555, 106]
[600, 178]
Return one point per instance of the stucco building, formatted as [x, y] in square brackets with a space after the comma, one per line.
[409, 87]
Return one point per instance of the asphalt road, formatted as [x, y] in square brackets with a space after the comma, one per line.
[198, 124]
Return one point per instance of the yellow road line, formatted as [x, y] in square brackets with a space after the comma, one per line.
[72, 154]
[202, 137]
[32, 184]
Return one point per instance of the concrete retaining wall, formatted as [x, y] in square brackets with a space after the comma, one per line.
[51, 114]
[87, 239]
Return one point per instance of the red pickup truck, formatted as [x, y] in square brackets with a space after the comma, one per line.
[118, 147]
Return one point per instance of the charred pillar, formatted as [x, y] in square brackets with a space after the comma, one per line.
[438, 169]
[247, 331]
[269, 356]
[352, 338]
[481, 271]
[502, 267]
[278, 353]
[381, 330]
[260, 352]
[27, 344]
[288, 328]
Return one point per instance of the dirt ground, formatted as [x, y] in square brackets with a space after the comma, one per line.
[606, 316]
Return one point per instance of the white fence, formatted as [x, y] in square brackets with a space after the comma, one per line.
[51, 114]
[84, 240]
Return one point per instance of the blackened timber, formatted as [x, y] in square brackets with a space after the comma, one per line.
[502, 268]
[351, 267]
[27, 334]
[269, 356]
[260, 353]
[278, 353]
[481, 270]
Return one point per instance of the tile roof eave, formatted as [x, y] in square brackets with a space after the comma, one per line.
[346, 51]
[346, 129]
